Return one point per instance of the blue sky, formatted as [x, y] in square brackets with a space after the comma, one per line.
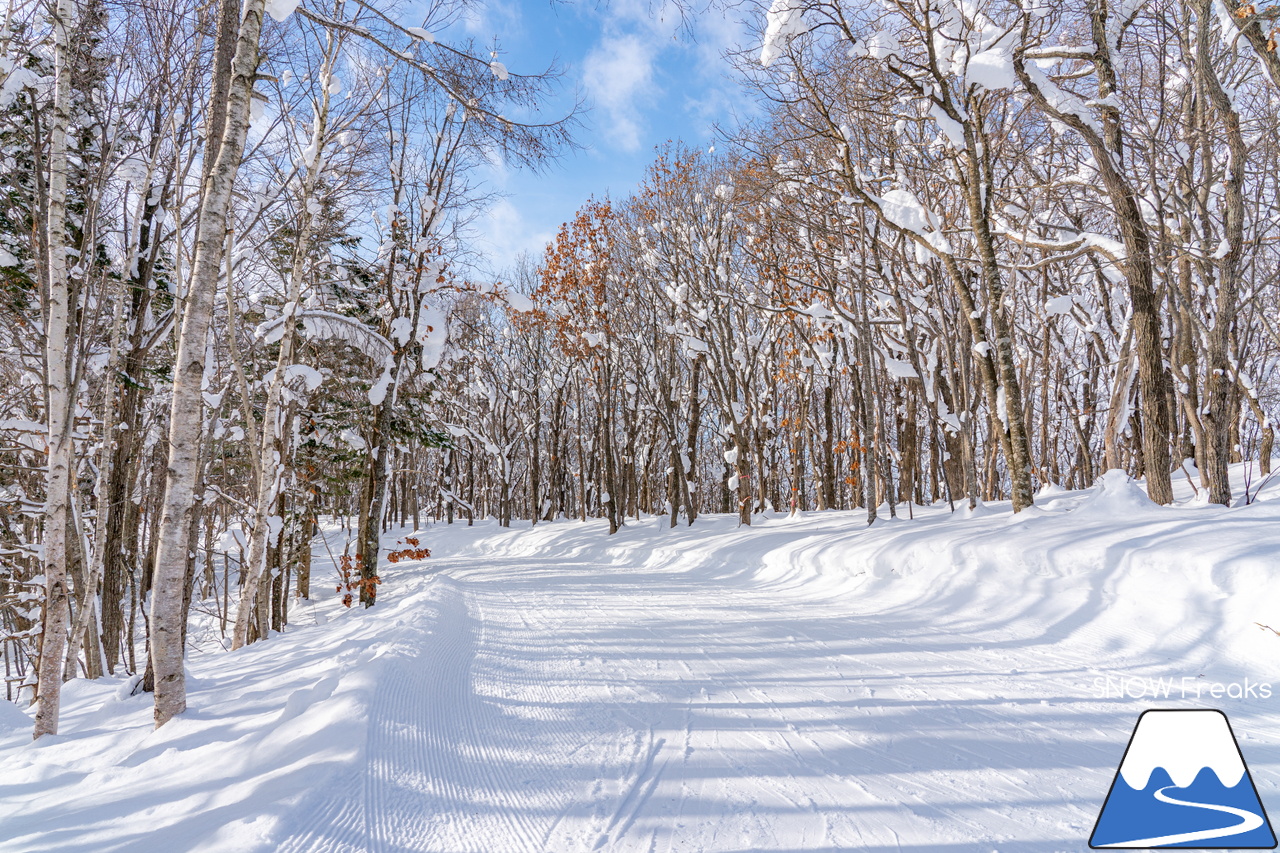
[644, 80]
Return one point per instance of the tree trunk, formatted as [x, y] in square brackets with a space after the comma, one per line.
[306, 530]
[1219, 418]
[1118, 407]
[375, 502]
[1011, 413]
[61, 396]
[1105, 144]
[1248, 19]
[828, 446]
[273, 451]
[692, 428]
[186, 410]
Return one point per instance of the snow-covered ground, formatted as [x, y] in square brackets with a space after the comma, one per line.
[952, 683]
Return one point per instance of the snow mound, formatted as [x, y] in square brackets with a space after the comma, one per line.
[12, 717]
[1115, 497]
[1049, 490]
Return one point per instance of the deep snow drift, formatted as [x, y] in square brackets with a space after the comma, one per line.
[960, 682]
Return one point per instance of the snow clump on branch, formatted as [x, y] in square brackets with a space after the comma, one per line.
[785, 21]
[280, 10]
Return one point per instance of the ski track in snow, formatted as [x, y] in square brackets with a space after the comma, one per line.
[802, 685]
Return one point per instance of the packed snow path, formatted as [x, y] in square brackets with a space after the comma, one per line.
[600, 705]
[801, 685]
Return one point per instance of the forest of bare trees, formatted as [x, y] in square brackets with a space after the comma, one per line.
[964, 257]
[965, 253]
[226, 252]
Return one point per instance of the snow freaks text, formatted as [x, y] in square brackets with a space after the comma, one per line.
[1184, 687]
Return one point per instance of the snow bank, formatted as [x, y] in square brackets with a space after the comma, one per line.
[268, 729]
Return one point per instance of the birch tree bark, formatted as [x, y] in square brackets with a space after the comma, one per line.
[186, 410]
[57, 605]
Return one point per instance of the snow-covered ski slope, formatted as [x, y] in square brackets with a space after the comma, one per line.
[804, 684]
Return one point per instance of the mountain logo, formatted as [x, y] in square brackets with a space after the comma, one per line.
[1183, 783]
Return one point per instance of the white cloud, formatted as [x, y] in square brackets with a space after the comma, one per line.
[618, 76]
[485, 20]
[718, 96]
[644, 79]
[505, 233]
[645, 60]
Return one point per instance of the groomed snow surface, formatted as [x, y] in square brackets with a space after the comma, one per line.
[952, 683]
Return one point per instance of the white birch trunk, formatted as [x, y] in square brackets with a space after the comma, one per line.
[57, 607]
[86, 615]
[271, 450]
[187, 409]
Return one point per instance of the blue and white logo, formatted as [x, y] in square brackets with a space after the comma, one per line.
[1183, 783]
